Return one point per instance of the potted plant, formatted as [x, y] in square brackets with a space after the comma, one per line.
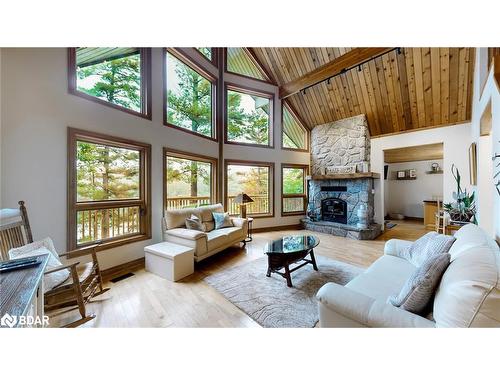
[464, 207]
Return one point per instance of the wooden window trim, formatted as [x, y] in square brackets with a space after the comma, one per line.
[214, 61]
[255, 60]
[284, 104]
[144, 201]
[228, 162]
[305, 168]
[145, 111]
[250, 91]
[213, 80]
[190, 156]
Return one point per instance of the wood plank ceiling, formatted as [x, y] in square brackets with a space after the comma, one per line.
[419, 88]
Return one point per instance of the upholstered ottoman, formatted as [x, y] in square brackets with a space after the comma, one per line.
[169, 260]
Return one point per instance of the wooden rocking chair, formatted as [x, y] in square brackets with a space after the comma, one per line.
[84, 282]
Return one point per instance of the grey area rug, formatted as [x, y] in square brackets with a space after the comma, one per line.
[268, 300]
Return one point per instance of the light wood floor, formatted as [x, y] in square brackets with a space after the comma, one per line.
[146, 300]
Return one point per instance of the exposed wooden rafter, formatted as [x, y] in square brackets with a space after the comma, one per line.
[345, 62]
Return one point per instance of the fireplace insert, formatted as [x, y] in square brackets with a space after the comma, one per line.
[334, 209]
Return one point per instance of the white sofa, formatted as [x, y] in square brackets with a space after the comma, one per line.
[205, 243]
[468, 294]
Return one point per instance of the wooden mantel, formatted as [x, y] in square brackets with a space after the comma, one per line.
[345, 176]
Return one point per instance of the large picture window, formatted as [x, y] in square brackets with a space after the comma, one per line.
[294, 134]
[117, 77]
[293, 189]
[189, 179]
[189, 96]
[248, 117]
[109, 190]
[254, 179]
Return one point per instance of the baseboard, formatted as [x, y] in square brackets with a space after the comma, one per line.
[122, 269]
[277, 228]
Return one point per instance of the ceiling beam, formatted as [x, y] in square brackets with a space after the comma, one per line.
[347, 61]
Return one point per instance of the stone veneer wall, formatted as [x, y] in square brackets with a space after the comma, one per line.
[341, 143]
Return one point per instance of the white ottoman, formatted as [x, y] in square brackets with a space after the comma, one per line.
[169, 260]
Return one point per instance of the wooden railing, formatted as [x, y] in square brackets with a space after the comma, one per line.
[260, 204]
[100, 224]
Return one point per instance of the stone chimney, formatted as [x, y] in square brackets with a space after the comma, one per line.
[341, 143]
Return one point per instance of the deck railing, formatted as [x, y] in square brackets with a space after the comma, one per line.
[259, 205]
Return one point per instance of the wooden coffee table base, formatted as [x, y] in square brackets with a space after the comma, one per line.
[277, 261]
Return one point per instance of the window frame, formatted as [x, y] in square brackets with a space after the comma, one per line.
[305, 169]
[249, 91]
[294, 114]
[257, 63]
[145, 111]
[167, 151]
[205, 74]
[213, 61]
[144, 201]
[251, 163]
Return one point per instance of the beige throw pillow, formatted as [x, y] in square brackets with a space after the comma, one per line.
[420, 287]
[194, 223]
[425, 247]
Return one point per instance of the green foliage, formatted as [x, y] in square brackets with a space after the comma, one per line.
[117, 81]
[190, 106]
[187, 177]
[464, 207]
[243, 126]
[105, 172]
[293, 182]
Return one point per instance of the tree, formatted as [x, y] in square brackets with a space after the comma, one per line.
[117, 81]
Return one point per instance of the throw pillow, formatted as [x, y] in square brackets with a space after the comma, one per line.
[222, 220]
[45, 246]
[421, 285]
[194, 223]
[425, 247]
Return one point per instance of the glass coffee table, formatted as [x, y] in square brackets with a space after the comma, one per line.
[288, 250]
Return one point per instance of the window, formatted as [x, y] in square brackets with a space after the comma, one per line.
[118, 77]
[293, 189]
[109, 190]
[248, 119]
[242, 62]
[254, 179]
[189, 96]
[207, 52]
[294, 134]
[189, 179]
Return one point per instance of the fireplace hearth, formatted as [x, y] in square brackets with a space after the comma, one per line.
[334, 210]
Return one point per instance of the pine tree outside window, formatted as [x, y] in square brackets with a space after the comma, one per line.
[248, 117]
[189, 101]
[189, 179]
[294, 134]
[109, 190]
[114, 76]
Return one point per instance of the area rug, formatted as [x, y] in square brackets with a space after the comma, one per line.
[268, 300]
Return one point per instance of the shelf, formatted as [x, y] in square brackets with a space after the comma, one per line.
[345, 176]
[434, 172]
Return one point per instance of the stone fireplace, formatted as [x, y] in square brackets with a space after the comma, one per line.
[335, 198]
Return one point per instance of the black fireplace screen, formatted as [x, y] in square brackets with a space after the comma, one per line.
[334, 209]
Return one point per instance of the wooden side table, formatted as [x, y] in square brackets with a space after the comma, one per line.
[250, 229]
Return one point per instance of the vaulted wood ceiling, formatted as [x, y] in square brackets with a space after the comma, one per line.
[421, 87]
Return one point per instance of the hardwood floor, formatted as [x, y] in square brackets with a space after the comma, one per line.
[146, 300]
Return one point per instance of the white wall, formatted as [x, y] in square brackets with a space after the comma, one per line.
[488, 200]
[456, 141]
[37, 110]
[407, 196]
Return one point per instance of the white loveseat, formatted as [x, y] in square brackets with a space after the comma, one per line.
[468, 294]
[205, 243]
